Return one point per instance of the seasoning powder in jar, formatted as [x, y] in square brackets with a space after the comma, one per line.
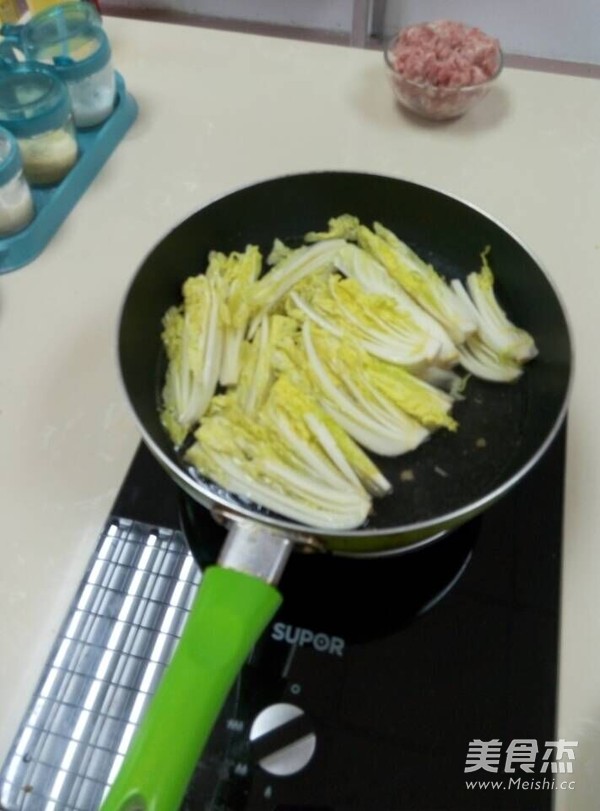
[35, 107]
[90, 79]
[70, 38]
[48, 157]
[16, 203]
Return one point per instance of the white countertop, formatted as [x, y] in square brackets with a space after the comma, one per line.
[219, 110]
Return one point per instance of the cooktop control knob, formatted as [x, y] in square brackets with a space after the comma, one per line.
[282, 739]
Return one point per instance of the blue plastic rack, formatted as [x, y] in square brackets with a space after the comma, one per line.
[54, 203]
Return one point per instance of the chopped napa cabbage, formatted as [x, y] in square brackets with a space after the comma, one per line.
[258, 365]
[482, 361]
[342, 307]
[254, 460]
[445, 379]
[343, 227]
[279, 252]
[344, 344]
[355, 263]
[272, 286]
[494, 327]
[236, 273]
[255, 376]
[193, 340]
[424, 401]
[375, 422]
[419, 280]
[300, 407]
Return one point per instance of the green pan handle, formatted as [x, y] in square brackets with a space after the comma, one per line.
[228, 616]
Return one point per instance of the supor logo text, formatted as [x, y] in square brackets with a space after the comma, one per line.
[304, 637]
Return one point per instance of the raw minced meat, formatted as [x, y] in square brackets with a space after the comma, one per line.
[445, 54]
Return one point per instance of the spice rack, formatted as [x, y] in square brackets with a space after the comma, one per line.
[54, 203]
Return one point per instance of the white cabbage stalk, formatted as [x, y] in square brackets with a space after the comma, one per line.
[255, 377]
[482, 361]
[384, 434]
[237, 273]
[273, 286]
[255, 461]
[355, 263]
[419, 280]
[347, 363]
[193, 339]
[342, 307]
[422, 400]
[494, 327]
[447, 380]
[299, 405]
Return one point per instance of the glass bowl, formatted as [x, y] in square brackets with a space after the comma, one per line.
[433, 101]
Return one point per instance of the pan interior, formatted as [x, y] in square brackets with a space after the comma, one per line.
[503, 428]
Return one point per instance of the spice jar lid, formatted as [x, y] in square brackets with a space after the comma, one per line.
[69, 16]
[33, 100]
[10, 157]
[52, 25]
[74, 67]
[72, 30]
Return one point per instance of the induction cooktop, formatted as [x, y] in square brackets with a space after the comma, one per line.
[424, 681]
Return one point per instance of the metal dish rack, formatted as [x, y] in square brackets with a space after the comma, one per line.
[118, 637]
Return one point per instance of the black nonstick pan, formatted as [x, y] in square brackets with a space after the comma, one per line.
[504, 430]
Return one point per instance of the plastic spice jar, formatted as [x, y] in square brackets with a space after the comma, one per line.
[90, 79]
[70, 38]
[35, 107]
[72, 13]
[16, 203]
[60, 21]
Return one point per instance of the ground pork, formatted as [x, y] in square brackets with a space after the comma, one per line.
[445, 54]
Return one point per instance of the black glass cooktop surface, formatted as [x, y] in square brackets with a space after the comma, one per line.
[415, 682]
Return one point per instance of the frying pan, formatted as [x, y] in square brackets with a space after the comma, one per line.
[504, 430]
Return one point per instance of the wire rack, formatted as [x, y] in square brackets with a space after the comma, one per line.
[117, 638]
